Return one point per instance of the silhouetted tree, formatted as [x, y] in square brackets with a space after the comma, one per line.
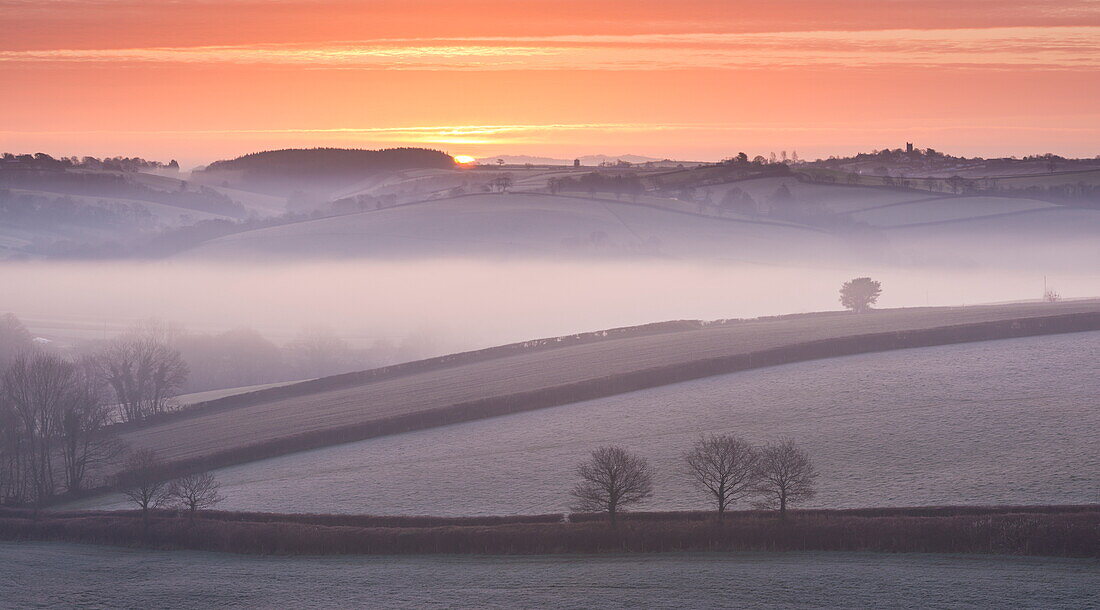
[144, 371]
[83, 428]
[37, 386]
[786, 476]
[50, 414]
[724, 465]
[142, 483]
[196, 492]
[860, 293]
[611, 478]
[14, 339]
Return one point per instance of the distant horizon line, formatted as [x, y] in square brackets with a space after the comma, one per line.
[533, 158]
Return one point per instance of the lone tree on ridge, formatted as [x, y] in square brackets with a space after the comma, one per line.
[611, 478]
[859, 294]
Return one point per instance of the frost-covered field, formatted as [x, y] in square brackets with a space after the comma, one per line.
[336, 406]
[84, 576]
[1000, 422]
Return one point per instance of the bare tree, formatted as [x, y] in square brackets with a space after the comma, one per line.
[14, 339]
[502, 183]
[724, 465]
[786, 476]
[196, 492]
[610, 479]
[85, 439]
[859, 294]
[13, 453]
[144, 371]
[37, 387]
[142, 483]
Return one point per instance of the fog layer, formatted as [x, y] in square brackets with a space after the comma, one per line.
[463, 304]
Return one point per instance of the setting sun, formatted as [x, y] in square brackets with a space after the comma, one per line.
[464, 159]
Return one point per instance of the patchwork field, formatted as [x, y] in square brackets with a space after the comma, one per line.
[795, 221]
[950, 209]
[527, 225]
[1007, 422]
[167, 214]
[832, 197]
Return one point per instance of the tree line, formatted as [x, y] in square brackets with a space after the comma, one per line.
[724, 466]
[32, 211]
[727, 468]
[58, 408]
[111, 185]
[43, 161]
[56, 413]
[233, 358]
[142, 484]
[56, 431]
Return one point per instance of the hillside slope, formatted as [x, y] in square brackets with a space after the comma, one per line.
[527, 224]
[524, 376]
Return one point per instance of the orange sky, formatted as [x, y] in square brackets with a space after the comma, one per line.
[203, 79]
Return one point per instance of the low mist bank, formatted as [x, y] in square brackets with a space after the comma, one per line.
[440, 306]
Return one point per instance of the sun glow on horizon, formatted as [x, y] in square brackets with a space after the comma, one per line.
[464, 159]
[183, 80]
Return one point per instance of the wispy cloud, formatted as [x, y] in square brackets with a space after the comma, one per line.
[1076, 48]
[543, 133]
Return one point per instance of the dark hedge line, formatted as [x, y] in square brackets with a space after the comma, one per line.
[900, 511]
[1072, 534]
[303, 518]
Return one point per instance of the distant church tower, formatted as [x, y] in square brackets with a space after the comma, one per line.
[909, 147]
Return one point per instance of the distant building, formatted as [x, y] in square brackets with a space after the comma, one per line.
[909, 147]
[576, 162]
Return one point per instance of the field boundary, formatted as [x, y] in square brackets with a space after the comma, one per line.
[1046, 531]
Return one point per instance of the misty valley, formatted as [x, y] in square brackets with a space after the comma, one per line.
[521, 360]
[339, 304]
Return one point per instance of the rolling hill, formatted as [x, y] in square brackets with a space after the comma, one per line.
[528, 224]
[821, 223]
[557, 371]
[320, 169]
[914, 427]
